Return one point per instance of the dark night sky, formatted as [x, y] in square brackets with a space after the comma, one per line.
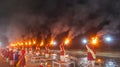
[29, 18]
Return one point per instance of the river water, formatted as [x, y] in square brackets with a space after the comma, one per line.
[101, 61]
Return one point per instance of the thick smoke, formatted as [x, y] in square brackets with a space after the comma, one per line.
[112, 28]
[23, 26]
[27, 19]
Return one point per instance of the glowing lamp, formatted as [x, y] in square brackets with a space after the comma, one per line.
[84, 41]
[54, 43]
[108, 39]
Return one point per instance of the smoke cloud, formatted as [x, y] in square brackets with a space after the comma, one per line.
[53, 17]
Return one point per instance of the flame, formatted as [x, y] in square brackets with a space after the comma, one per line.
[94, 40]
[21, 43]
[52, 42]
[12, 45]
[16, 44]
[42, 43]
[26, 43]
[34, 42]
[67, 40]
[30, 43]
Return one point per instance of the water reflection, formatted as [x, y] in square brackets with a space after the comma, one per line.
[82, 62]
[100, 61]
[111, 63]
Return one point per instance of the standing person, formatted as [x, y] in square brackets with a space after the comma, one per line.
[16, 55]
[30, 49]
[91, 55]
[26, 50]
[37, 50]
[47, 51]
[22, 64]
[4, 52]
[21, 61]
[7, 54]
[11, 57]
[62, 52]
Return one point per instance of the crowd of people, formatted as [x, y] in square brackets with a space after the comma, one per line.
[16, 57]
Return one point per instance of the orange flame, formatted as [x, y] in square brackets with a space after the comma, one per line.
[26, 43]
[12, 45]
[30, 43]
[94, 40]
[67, 41]
[21, 43]
[51, 42]
[42, 43]
[34, 42]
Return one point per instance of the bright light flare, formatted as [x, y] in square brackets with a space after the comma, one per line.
[55, 43]
[67, 41]
[108, 39]
[84, 41]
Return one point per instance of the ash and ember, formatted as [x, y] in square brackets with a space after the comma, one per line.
[45, 19]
